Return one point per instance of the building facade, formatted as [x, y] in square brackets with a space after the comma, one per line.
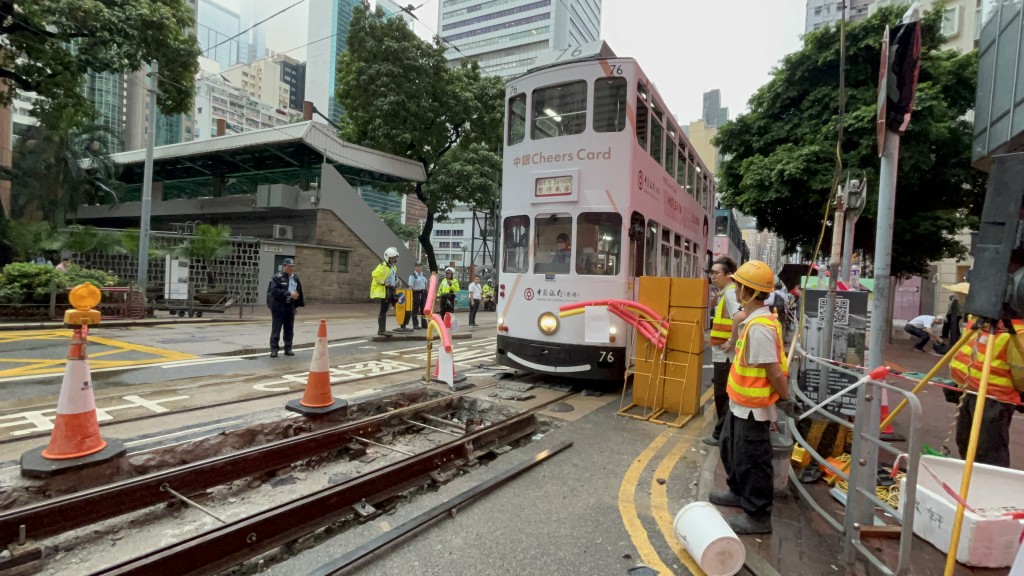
[219, 99]
[827, 12]
[327, 32]
[507, 36]
[714, 114]
[216, 25]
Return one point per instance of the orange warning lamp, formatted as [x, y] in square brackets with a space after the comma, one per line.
[84, 298]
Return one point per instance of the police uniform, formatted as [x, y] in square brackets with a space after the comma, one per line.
[282, 307]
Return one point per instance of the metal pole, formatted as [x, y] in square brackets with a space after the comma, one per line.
[865, 455]
[830, 308]
[147, 182]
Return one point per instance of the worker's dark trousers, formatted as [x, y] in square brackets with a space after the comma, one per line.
[747, 457]
[283, 317]
[419, 299]
[719, 382]
[382, 317]
[994, 440]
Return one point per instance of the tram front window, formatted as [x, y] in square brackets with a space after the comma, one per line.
[559, 110]
[598, 243]
[553, 245]
[516, 237]
[516, 119]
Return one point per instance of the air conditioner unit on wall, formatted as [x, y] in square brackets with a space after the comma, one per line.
[282, 232]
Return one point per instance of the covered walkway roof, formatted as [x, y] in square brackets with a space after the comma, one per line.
[301, 145]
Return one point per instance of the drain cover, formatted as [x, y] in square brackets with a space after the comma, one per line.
[561, 407]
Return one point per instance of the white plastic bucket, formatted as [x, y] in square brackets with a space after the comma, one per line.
[707, 537]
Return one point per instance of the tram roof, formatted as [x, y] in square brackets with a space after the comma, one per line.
[593, 51]
[297, 145]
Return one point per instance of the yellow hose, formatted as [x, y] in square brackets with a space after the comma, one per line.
[972, 451]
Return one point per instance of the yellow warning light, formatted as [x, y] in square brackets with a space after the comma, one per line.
[84, 297]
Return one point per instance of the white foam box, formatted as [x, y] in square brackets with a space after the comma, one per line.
[988, 538]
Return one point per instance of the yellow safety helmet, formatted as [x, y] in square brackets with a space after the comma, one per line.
[756, 275]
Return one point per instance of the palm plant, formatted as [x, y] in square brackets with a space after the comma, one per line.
[207, 244]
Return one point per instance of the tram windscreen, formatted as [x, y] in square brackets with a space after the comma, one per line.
[553, 244]
[516, 119]
[559, 110]
[515, 253]
[598, 243]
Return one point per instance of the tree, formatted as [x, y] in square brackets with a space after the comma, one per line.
[393, 220]
[400, 96]
[781, 155]
[208, 243]
[54, 172]
[50, 45]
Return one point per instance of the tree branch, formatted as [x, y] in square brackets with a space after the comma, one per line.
[22, 82]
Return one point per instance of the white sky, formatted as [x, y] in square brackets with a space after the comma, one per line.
[686, 46]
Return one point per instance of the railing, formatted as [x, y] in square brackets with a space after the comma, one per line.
[857, 495]
[117, 303]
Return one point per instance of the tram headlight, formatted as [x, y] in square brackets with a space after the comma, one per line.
[548, 323]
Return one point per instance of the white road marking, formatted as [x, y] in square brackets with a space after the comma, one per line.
[181, 432]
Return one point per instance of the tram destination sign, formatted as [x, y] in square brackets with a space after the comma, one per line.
[553, 186]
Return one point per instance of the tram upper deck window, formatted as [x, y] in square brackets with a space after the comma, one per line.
[670, 152]
[609, 104]
[651, 249]
[657, 142]
[642, 115]
[516, 119]
[598, 243]
[721, 225]
[681, 167]
[516, 244]
[552, 246]
[559, 110]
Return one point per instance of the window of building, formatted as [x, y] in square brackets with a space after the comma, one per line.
[515, 244]
[598, 243]
[559, 110]
[444, 244]
[950, 21]
[456, 233]
[341, 259]
[552, 245]
[817, 10]
[328, 260]
[516, 119]
[609, 104]
[442, 232]
[651, 249]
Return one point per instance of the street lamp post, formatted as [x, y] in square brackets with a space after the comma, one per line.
[465, 265]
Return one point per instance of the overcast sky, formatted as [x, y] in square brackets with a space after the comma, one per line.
[686, 46]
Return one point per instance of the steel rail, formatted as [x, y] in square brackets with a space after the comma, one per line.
[226, 546]
[59, 515]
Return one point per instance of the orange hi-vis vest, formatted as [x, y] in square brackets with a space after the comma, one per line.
[721, 327]
[966, 367]
[749, 385]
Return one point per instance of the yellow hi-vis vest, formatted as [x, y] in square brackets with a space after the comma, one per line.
[380, 274]
[721, 326]
[966, 367]
[749, 385]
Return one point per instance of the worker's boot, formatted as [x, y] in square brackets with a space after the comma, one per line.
[747, 524]
[724, 498]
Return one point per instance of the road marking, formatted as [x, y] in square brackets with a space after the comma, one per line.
[181, 432]
[33, 421]
[33, 367]
[659, 504]
[627, 505]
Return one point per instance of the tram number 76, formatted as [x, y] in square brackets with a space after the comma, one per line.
[606, 356]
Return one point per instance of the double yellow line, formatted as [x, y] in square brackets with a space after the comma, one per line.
[659, 507]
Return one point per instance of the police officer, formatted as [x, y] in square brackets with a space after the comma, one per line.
[383, 282]
[284, 295]
[488, 293]
[757, 380]
[418, 284]
[447, 289]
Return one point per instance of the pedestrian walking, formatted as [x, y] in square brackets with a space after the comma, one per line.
[447, 289]
[722, 338]
[284, 295]
[951, 328]
[383, 283]
[475, 296]
[757, 381]
[922, 328]
[418, 284]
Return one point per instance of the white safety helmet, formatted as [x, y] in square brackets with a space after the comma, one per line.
[390, 253]
[449, 269]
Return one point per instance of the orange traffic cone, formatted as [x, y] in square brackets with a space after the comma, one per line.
[75, 441]
[317, 398]
[889, 433]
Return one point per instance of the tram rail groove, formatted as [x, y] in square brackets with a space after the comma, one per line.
[59, 515]
[226, 546]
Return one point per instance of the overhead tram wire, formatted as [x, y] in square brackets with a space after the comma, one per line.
[276, 54]
[436, 34]
[272, 16]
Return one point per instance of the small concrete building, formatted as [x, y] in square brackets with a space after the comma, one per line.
[285, 192]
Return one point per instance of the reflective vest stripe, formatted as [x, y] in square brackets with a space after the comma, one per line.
[967, 366]
[721, 328]
[749, 385]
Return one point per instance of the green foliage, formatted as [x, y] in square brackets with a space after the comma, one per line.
[50, 45]
[209, 243]
[780, 156]
[54, 172]
[28, 239]
[130, 242]
[403, 231]
[400, 96]
[87, 239]
[28, 283]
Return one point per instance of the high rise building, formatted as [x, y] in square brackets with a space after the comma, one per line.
[219, 99]
[293, 75]
[826, 12]
[254, 45]
[327, 30]
[393, 9]
[106, 92]
[507, 36]
[715, 115]
[216, 25]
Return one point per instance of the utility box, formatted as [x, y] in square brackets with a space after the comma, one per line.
[277, 196]
[176, 279]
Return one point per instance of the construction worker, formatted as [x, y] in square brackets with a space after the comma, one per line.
[722, 338]
[757, 380]
[447, 289]
[382, 287]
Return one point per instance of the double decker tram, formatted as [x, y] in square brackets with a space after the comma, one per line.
[600, 187]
